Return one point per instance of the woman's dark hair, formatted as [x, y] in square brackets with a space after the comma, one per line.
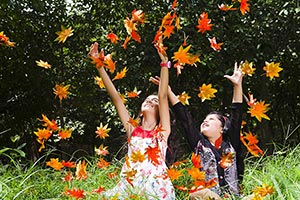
[225, 122]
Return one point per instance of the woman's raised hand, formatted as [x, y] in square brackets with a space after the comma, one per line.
[237, 76]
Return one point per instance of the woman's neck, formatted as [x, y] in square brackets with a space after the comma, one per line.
[148, 124]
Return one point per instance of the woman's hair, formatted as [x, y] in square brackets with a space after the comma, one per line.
[225, 122]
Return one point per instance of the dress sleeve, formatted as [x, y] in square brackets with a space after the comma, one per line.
[191, 131]
[235, 127]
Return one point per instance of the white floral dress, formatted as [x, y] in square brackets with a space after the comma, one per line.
[144, 173]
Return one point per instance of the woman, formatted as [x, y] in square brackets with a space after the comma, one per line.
[144, 172]
[218, 137]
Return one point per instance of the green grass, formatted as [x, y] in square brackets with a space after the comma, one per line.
[35, 181]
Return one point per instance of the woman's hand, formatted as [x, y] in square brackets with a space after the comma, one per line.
[161, 50]
[237, 76]
[94, 50]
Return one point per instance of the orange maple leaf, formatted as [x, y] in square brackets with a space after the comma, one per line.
[247, 68]
[112, 37]
[244, 6]
[169, 29]
[182, 55]
[206, 92]
[109, 63]
[68, 177]
[174, 174]
[65, 133]
[135, 36]
[130, 174]
[81, 172]
[55, 164]
[137, 157]
[196, 174]
[250, 143]
[134, 93]
[227, 160]
[4, 40]
[63, 34]
[102, 163]
[214, 45]
[124, 45]
[49, 124]
[43, 135]
[98, 59]
[204, 23]
[258, 110]
[75, 193]
[98, 190]
[121, 74]
[102, 131]
[196, 160]
[134, 122]
[61, 91]
[272, 69]
[138, 15]
[152, 153]
[68, 164]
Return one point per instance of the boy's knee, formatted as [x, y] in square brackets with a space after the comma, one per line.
[204, 194]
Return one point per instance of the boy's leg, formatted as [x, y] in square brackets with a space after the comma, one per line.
[204, 194]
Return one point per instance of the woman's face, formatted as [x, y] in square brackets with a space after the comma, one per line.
[150, 104]
[211, 126]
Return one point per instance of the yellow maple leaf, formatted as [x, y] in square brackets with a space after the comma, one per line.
[184, 98]
[264, 190]
[63, 34]
[206, 92]
[258, 110]
[102, 131]
[99, 82]
[61, 91]
[121, 74]
[182, 55]
[123, 98]
[134, 122]
[4, 40]
[55, 164]
[196, 174]
[137, 157]
[247, 68]
[102, 151]
[43, 64]
[272, 69]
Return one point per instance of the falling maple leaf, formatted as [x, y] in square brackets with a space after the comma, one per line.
[247, 68]
[225, 7]
[55, 164]
[112, 37]
[65, 133]
[98, 190]
[152, 153]
[137, 157]
[68, 177]
[135, 36]
[251, 138]
[227, 160]
[169, 29]
[250, 142]
[272, 69]
[264, 190]
[61, 91]
[174, 174]
[68, 164]
[130, 174]
[121, 74]
[122, 96]
[184, 98]
[102, 131]
[206, 92]
[244, 6]
[182, 55]
[63, 34]
[43, 64]
[134, 122]
[81, 172]
[196, 174]
[138, 15]
[109, 63]
[43, 135]
[258, 110]
[49, 124]
[124, 45]
[133, 94]
[75, 193]
[204, 23]
[4, 40]
[196, 160]
[99, 82]
[102, 163]
[102, 151]
[214, 45]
